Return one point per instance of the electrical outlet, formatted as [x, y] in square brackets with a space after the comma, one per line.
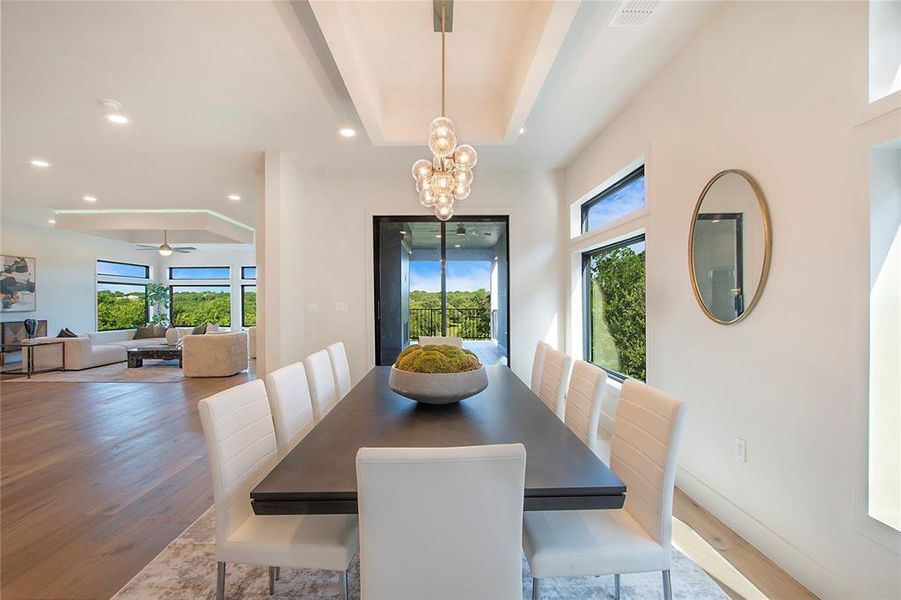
[741, 450]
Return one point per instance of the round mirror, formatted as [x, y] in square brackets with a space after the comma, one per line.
[729, 246]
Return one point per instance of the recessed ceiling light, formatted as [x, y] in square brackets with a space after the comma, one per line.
[89, 198]
[438, 236]
[113, 112]
[39, 162]
[456, 245]
[347, 132]
[402, 232]
[117, 118]
[234, 197]
[522, 130]
[51, 221]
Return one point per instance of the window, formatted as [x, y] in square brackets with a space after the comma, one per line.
[614, 304]
[201, 273]
[194, 305]
[248, 272]
[248, 305]
[622, 198]
[119, 269]
[121, 305]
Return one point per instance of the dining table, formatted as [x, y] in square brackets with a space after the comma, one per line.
[318, 476]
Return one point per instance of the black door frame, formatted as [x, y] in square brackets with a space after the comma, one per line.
[378, 219]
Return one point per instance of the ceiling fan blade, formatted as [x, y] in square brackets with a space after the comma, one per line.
[147, 249]
[184, 250]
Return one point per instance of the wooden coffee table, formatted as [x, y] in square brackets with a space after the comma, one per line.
[136, 356]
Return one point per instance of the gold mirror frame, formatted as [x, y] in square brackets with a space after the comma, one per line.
[767, 243]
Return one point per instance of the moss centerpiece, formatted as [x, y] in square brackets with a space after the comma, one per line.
[438, 374]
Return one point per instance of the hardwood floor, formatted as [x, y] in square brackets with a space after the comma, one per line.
[96, 479]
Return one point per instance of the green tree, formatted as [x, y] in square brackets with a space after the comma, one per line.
[121, 310]
[192, 308]
[468, 314]
[618, 311]
[250, 307]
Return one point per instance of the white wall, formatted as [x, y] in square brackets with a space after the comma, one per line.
[776, 89]
[336, 254]
[214, 255]
[66, 266]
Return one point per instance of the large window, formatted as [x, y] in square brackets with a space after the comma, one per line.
[614, 319]
[194, 305]
[248, 305]
[622, 198]
[199, 273]
[121, 305]
[110, 268]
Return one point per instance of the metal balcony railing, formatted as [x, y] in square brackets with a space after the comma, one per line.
[467, 323]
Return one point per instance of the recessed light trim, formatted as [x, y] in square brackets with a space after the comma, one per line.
[522, 130]
[51, 221]
[347, 132]
[39, 163]
[89, 198]
[234, 197]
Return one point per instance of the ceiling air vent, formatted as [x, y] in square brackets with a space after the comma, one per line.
[633, 13]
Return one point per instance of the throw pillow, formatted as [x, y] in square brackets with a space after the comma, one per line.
[173, 336]
[144, 333]
[66, 333]
[199, 330]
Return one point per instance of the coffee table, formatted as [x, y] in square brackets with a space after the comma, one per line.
[136, 356]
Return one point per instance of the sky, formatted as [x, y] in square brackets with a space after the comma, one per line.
[621, 202]
[462, 276]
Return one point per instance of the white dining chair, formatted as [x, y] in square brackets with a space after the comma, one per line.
[555, 370]
[340, 368]
[537, 364]
[323, 391]
[240, 440]
[291, 406]
[441, 523]
[637, 538]
[431, 340]
[583, 402]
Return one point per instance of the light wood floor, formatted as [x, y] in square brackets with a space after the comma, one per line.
[96, 479]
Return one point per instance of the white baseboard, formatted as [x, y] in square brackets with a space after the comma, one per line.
[815, 576]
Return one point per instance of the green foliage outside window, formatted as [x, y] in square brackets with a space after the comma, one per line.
[617, 304]
[249, 306]
[198, 306]
[468, 314]
[123, 307]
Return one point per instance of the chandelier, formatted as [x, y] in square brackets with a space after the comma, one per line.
[448, 176]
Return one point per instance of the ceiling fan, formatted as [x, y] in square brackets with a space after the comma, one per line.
[165, 249]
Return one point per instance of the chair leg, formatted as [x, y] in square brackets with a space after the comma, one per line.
[345, 585]
[220, 580]
[667, 586]
[271, 580]
[278, 573]
[616, 586]
[536, 589]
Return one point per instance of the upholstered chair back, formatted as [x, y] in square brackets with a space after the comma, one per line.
[240, 440]
[340, 368]
[643, 453]
[537, 363]
[291, 406]
[583, 401]
[441, 523]
[323, 391]
[555, 371]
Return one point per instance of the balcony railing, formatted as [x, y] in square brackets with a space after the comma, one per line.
[467, 323]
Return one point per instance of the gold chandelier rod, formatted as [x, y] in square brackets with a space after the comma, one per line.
[443, 9]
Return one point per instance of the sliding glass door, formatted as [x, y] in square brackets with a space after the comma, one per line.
[434, 278]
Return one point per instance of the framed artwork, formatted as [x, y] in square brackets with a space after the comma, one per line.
[17, 284]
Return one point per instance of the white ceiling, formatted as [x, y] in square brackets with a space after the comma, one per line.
[210, 85]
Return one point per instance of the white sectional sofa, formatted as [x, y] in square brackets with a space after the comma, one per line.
[96, 349]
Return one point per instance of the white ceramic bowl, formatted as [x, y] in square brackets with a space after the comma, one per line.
[438, 388]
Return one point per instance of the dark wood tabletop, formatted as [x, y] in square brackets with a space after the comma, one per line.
[319, 475]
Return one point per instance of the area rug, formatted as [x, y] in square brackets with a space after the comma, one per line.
[153, 371]
[186, 568]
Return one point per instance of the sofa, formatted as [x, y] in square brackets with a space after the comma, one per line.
[220, 355]
[94, 349]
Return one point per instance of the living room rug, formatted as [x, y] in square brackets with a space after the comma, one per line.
[186, 568]
[153, 371]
